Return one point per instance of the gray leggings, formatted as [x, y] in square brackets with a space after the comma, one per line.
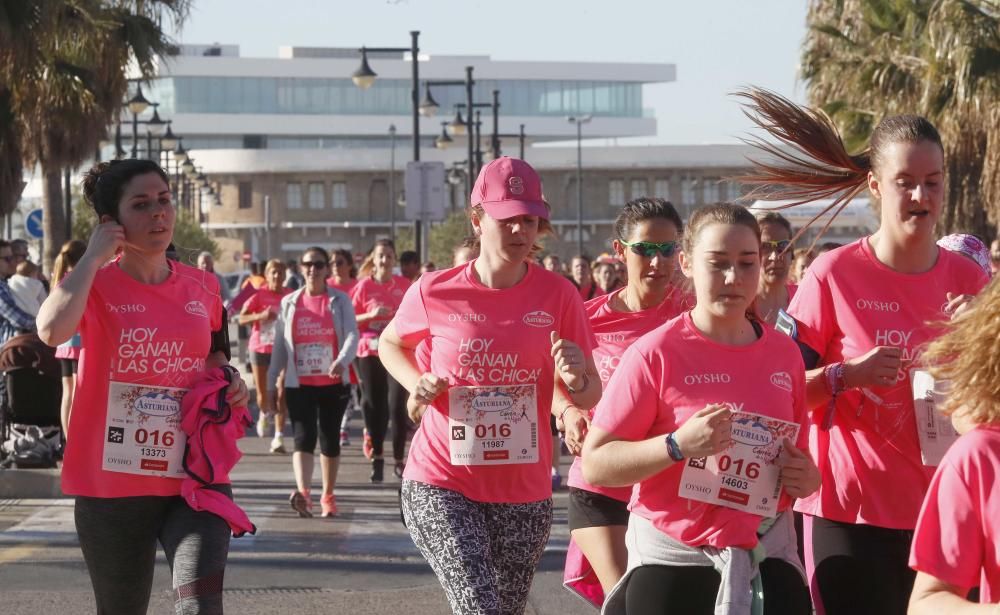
[483, 554]
[118, 537]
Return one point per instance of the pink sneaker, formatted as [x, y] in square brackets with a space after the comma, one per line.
[329, 506]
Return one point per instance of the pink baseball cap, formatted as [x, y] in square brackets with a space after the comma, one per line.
[509, 187]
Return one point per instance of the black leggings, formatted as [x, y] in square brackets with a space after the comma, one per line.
[306, 404]
[658, 590]
[862, 569]
[382, 395]
[118, 538]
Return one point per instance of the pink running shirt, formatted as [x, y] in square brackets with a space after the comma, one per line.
[848, 303]
[479, 337]
[615, 332]
[313, 335]
[262, 334]
[675, 371]
[346, 287]
[957, 538]
[135, 333]
[366, 296]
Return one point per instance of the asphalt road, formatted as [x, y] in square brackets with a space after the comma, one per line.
[362, 561]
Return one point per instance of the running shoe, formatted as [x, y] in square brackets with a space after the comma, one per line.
[278, 447]
[378, 470]
[329, 506]
[300, 504]
[264, 425]
[398, 470]
[556, 480]
[344, 439]
[367, 447]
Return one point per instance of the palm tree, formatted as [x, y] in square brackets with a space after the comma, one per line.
[864, 59]
[68, 78]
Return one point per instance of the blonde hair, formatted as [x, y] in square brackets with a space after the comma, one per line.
[274, 263]
[69, 255]
[968, 355]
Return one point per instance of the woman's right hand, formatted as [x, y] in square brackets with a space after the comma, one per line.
[107, 240]
[268, 315]
[707, 432]
[379, 311]
[878, 367]
[428, 388]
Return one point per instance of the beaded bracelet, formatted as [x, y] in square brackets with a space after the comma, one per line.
[833, 377]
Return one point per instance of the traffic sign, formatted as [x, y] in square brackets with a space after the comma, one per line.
[33, 224]
[425, 193]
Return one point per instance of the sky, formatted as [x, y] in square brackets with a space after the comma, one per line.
[716, 45]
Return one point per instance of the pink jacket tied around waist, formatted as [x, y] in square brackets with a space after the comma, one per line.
[213, 427]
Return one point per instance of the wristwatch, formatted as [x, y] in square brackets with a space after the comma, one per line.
[673, 449]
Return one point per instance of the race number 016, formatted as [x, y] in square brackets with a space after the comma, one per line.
[493, 431]
[750, 470]
[158, 439]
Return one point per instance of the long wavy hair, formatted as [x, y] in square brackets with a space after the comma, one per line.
[968, 355]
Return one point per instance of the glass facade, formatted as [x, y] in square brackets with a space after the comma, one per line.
[301, 96]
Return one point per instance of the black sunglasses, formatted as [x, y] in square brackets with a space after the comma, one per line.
[316, 264]
[649, 249]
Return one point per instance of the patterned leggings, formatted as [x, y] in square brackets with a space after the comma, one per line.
[483, 554]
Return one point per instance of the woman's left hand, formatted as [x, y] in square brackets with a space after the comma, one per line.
[799, 475]
[571, 365]
[575, 424]
[237, 394]
[957, 304]
[334, 371]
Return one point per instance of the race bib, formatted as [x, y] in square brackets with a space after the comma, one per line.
[143, 434]
[266, 332]
[934, 429]
[313, 359]
[745, 476]
[493, 425]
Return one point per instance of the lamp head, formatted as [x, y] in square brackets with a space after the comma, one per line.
[364, 77]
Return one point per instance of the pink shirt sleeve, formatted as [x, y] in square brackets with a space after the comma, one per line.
[411, 320]
[812, 308]
[948, 541]
[631, 401]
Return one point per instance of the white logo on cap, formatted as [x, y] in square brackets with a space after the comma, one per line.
[516, 185]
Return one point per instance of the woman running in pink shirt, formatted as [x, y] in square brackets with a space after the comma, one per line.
[261, 313]
[149, 328]
[646, 237]
[704, 415]
[861, 318]
[956, 545]
[506, 335]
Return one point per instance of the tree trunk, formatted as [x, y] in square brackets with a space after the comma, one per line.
[53, 216]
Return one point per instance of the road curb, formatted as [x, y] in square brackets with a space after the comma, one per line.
[34, 484]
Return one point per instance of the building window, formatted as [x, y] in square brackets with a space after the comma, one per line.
[339, 195]
[246, 195]
[616, 192]
[735, 192]
[687, 191]
[294, 196]
[316, 195]
[711, 190]
[661, 189]
[639, 188]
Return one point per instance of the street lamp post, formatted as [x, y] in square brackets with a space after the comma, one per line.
[579, 121]
[392, 183]
[519, 136]
[364, 77]
[458, 126]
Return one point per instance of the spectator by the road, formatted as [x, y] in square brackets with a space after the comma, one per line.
[19, 248]
[293, 277]
[27, 289]
[206, 262]
[409, 265]
[13, 319]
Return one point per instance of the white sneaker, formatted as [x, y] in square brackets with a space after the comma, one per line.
[265, 425]
[278, 446]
